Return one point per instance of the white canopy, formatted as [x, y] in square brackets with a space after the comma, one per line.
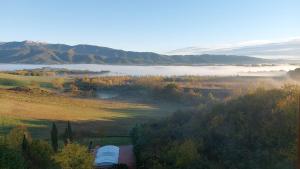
[107, 155]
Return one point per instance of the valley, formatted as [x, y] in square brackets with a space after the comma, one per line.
[108, 105]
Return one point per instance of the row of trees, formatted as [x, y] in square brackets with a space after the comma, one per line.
[257, 130]
[152, 87]
[19, 151]
[68, 136]
[34, 72]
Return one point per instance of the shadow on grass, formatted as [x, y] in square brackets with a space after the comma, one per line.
[114, 130]
[99, 132]
[118, 126]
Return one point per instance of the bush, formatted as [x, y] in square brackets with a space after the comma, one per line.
[11, 158]
[74, 156]
[15, 137]
[40, 153]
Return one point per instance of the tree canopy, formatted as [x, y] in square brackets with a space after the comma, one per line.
[74, 156]
[257, 130]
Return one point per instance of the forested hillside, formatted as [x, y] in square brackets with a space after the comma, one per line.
[257, 130]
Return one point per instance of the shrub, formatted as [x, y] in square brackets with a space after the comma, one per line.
[74, 156]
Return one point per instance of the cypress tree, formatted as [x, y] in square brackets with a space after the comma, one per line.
[24, 145]
[25, 150]
[70, 131]
[90, 146]
[54, 137]
[68, 136]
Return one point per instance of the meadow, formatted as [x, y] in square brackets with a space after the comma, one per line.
[91, 117]
[104, 121]
[9, 80]
[37, 102]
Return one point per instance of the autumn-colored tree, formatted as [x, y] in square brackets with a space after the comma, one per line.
[74, 156]
[16, 136]
[185, 155]
[58, 83]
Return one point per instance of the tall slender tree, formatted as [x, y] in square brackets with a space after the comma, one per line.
[54, 137]
[90, 146]
[25, 150]
[24, 145]
[70, 131]
[68, 136]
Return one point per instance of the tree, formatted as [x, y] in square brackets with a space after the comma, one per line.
[54, 137]
[74, 88]
[68, 133]
[90, 146]
[25, 145]
[25, 150]
[172, 92]
[185, 154]
[257, 130]
[41, 155]
[11, 158]
[74, 156]
[58, 83]
[16, 136]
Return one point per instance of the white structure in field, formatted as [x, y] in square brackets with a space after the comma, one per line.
[107, 156]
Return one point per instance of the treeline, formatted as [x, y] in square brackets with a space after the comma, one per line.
[18, 150]
[257, 130]
[295, 74]
[33, 72]
[154, 87]
[54, 72]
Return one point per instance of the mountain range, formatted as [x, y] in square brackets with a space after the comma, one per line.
[29, 52]
[289, 49]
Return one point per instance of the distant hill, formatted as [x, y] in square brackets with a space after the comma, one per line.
[42, 53]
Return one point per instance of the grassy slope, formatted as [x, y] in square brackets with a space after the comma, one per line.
[9, 80]
[89, 117]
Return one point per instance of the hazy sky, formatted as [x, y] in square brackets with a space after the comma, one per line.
[148, 25]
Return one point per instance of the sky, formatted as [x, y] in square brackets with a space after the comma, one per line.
[149, 25]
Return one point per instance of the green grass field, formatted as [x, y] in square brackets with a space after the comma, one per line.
[88, 117]
[9, 80]
[102, 121]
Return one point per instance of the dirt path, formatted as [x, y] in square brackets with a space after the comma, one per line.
[127, 156]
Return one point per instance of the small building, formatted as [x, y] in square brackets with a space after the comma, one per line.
[106, 156]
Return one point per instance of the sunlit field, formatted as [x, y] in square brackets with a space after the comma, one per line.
[9, 80]
[89, 117]
[150, 84]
